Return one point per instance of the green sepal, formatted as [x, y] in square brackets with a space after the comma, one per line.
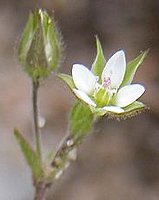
[27, 37]
[30, 155]
[132, 68]
[51, 39]
[99, 62]
[81, 120]
[67, 79]
[129, 111]
[136, 106]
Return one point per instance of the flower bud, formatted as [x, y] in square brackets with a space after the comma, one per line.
[39, 48]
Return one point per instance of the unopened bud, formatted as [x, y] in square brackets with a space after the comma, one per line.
[40, 46]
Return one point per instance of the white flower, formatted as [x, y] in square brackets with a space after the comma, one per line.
[107, 95]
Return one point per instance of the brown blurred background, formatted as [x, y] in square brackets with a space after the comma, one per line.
[120, 160]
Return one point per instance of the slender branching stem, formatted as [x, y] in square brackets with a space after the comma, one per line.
[40, 187]
[35, 87]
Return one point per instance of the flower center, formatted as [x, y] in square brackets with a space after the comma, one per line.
[102, 94]
[106, 83]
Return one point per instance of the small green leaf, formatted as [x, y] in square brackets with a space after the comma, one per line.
[30, 155]
[132, 68]
[99, 63]
[81, 120]
[67, 79]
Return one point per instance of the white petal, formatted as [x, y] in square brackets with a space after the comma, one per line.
[83, 96]
[114, 109]
[115, 69]
[83, 78]
[128, 94]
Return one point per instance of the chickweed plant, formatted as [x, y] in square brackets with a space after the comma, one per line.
[105, 90]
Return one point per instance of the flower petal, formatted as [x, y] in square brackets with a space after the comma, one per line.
[114, 109]
[83, 96]
[128, 94]
[115, 69]
[83, 78]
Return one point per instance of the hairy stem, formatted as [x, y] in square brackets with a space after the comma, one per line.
[35, 85]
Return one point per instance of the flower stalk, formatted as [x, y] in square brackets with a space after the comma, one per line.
[35, 88]
[40, 187]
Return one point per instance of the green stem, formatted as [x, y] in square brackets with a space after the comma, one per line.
[35, 87]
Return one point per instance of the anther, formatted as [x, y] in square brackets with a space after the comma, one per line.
[106, 82]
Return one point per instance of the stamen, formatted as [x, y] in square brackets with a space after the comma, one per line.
[106, 82]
